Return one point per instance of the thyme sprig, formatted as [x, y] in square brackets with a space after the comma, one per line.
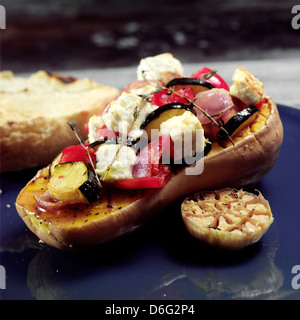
[124, 138]
[209, 75]
[159, 88]
[73, 127]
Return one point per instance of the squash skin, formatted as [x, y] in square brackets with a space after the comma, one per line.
[255, 154]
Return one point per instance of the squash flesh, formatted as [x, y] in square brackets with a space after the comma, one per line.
[258, 122]
[111, 200]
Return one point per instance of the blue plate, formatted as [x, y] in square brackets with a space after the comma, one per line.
[161, 261]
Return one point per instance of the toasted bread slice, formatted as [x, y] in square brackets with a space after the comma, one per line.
[34, 112]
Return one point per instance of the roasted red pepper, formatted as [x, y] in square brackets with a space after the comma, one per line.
[215, 80]
[77, 153]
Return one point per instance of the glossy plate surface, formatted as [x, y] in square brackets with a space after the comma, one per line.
[161, 261]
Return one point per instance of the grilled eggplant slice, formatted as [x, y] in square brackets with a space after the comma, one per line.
[239, 121]
[162, 114]
[198, 84]
[73, 182]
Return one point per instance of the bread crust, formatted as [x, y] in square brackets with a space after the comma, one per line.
[239, 165]
[34, 112]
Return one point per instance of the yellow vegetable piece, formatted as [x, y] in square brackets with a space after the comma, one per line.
[66, 178]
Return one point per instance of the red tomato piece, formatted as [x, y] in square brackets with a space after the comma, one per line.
[86, 127]
[216, 80]
[148, 171]
[148, 161]
[163, 97]
[105, 132]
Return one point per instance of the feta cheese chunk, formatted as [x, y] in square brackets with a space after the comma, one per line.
[94, 125]
[148, 89]
[121, 114]
[153, 68]
[187, 134]
[246, 86]
[120, 158]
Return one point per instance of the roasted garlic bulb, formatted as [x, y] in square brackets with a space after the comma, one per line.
[227, 218]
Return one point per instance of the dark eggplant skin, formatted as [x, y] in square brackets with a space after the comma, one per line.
[157, 112]
[137, 144]
[91, 188]
[190, 82]
[236, 122]
[130, 142]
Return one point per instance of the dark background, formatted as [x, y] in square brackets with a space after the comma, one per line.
[79, 34]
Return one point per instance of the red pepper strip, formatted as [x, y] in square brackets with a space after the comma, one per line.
[261, 102]
[142, 183]
[77, 153]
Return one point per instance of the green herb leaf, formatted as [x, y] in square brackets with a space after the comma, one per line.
[135, 112]
[72, 124]
[208, 75]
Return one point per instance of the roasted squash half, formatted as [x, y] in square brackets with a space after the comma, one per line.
[117, 212]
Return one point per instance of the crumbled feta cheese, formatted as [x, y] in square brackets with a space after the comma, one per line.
[121, 114]
[246, 86]
[145, 90]
[187, 134]
[95, 124]
[153, 68]
[120, 158]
